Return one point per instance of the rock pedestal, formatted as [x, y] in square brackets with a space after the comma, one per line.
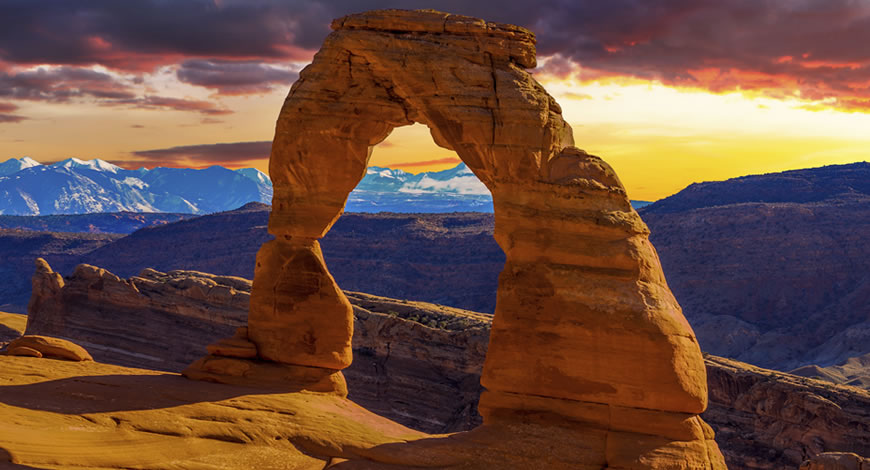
[585, 331]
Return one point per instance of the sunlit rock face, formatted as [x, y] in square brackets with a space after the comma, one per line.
[586, 333]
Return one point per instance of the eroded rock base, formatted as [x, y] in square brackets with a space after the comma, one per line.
[234, 361]
[273, 375]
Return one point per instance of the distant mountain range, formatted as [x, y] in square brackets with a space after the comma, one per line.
[74, 186]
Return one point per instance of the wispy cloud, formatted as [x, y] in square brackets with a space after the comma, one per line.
[235, 78]
[228, 154]
[426, 162]
[6, 117]
[177, 104]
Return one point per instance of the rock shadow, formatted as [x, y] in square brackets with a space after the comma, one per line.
[112, 393]
[8, 334]
[7, 464]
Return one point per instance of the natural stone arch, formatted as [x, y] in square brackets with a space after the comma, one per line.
[585, 326]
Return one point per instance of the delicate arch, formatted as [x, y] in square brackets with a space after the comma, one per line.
[585, 326]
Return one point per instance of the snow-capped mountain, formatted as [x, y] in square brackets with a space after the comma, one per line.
[95, 165]
[74, 186]
[14, 165]
[262, 180]
[393, 190]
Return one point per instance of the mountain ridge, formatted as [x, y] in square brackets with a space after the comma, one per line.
[75, 186]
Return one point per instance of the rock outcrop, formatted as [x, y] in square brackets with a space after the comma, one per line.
[154, 320]
[47, 346]
[414, 362]
[11, 326]
[836, 461]
[582, 286]
[770, 420]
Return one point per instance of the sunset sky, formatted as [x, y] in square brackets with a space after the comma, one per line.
[668, 92]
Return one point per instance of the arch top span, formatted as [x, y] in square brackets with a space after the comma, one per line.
[585, 327]
[462, 77]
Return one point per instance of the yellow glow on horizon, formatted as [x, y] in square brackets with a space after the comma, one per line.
[412, 149]
[658, 138]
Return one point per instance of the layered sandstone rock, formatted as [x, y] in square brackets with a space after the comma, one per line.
[836, 461]
[582, 286]
[46, 346]
[416, 363]
[154, 320]
[11, 326]
[771, 420]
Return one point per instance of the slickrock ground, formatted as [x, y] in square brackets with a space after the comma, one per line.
[61, 415]
[419, 364]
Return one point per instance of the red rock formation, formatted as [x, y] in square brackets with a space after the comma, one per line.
[836, 461]
[46, 346]
[154, 320]
[414, 362]
[771, 420]
[582, 286]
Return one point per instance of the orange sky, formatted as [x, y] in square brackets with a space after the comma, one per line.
[638, 87]
[658, 138]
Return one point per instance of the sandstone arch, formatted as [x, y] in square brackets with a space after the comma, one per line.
[585, 327]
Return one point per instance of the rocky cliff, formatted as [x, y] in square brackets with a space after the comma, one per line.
[419, 364]
[773, 269]
[415, 362]
[18, 249]
[769, 420]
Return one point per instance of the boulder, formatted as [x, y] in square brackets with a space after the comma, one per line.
[46, 346]
[836, 461]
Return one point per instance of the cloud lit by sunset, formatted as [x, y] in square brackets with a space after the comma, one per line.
[669, 92]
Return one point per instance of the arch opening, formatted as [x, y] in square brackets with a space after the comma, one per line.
[431, 237]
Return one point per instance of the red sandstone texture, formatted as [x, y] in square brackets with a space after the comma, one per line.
[582, 287]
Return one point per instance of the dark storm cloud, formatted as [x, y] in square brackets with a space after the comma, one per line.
[815, 47]
[62, 84]
[233, 153]
[140, 34]
[234, 78]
